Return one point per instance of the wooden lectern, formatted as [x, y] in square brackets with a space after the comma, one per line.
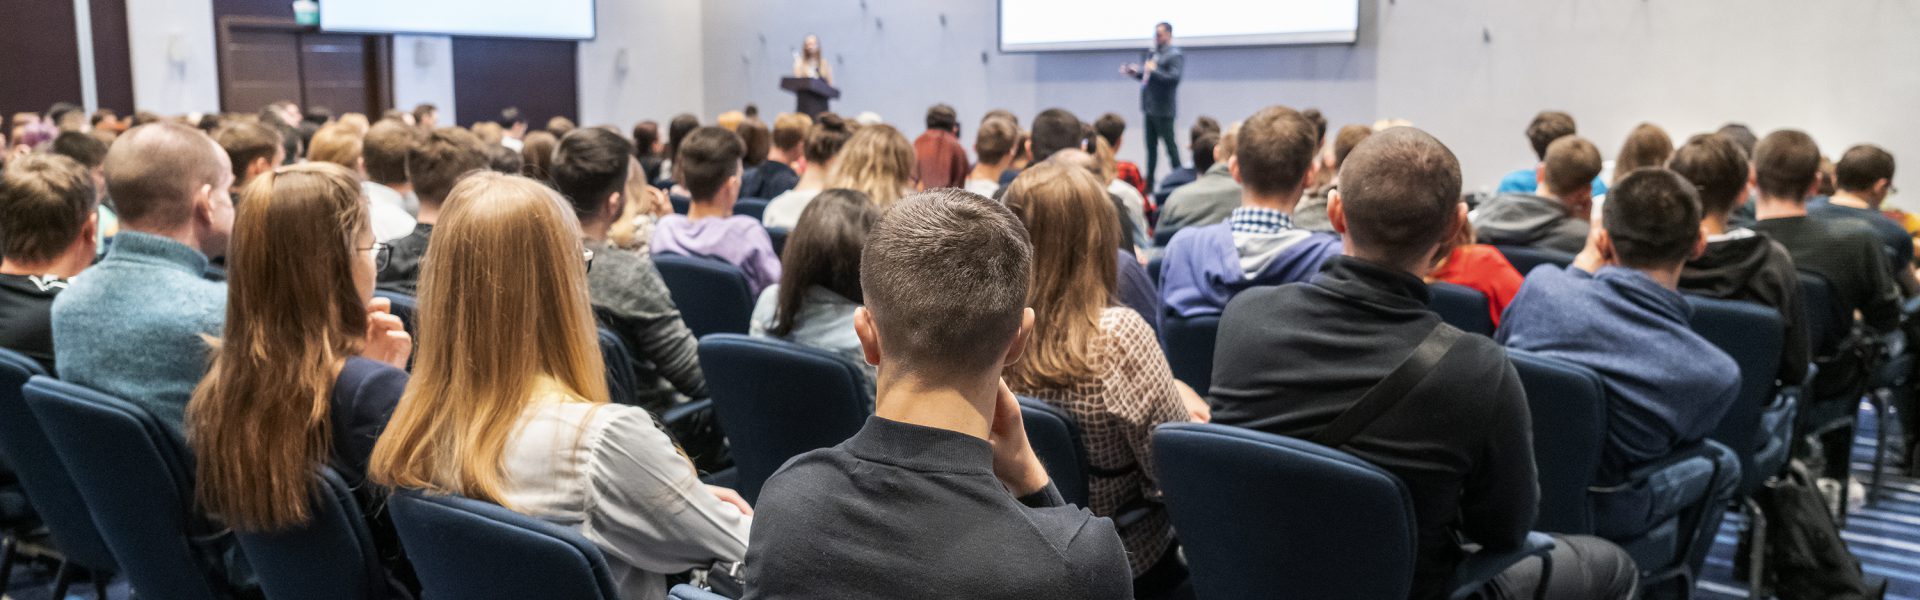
[812, 94]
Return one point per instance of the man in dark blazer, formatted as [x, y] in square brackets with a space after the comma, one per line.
[1159, 76]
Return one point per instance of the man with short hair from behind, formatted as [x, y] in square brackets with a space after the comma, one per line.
[136, 326]
[91, 153]
[389, 192]
[1740, 263]
[1617, 310]
[1054, 129]
[1462, 442]
[1555, 217]
[591, 168]
[252, 149]
[1210, 198]
[709, 166]
[1204, 128]
[993, 145]
[1844, 252]
[1546, 127]
[434, 163]
[781, 171]
[939, 490]
[1258, 245]
[1863, 179]
[47, 220]
[941, 160]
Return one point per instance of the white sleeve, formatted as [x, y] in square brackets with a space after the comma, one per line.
[648, 507]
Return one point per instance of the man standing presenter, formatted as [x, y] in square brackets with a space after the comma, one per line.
[1159, 75]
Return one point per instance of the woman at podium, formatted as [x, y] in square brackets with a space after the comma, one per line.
[808, 63]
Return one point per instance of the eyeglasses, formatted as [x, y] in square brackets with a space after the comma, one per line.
[587, 254]
[382, 254]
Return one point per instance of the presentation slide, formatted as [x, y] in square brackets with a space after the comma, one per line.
[1043, 25]
[545, 19]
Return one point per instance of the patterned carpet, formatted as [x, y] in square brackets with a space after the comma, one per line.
[1885, 536]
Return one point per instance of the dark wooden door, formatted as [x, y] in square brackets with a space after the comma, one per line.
[265, 60]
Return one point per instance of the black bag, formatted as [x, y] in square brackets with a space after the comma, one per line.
[1805, 557]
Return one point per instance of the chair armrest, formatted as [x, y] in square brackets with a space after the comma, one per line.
[684, 411]
[1481, 566]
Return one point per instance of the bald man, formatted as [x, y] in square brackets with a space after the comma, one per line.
[135, 326]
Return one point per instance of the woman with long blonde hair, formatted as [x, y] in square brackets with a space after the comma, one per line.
[1096, 360]
[508, 402]
[877, 161]
[308, 366]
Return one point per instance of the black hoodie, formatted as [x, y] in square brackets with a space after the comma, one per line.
[1749, 266]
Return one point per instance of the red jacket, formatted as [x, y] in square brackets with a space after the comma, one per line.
[1485, 269]
[942, 160]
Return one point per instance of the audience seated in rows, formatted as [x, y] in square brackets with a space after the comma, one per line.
[822, 150]
[91, 152]
[941, 160]
[944, 462]
[1201, 138]
[775, 173]
[1616, 310]
[1098, 361]
[709, 166]
[434, 164]
[508, 402]
[47, 220]
[1311, 214]
[1845, 252]
[1294, 360]
[136, 326]
[1646, 146]
[1211, 197]
[878, 161]
[1863, 180]
[819, 285]
[309, 362]
[1548, 218]
[1481, 267]
[1740, 263]
[1546, 128]
[1205, 266]
[591, 169]
[390, 196]
[994, 145]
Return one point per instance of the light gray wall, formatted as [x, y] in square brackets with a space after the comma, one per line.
[663, 63]
[1473, 72]
[423, 73]
[174, 63]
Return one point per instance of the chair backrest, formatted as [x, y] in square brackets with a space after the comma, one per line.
[1056, 441]
[776, 400]
[132, 473]
[680, 203]
[623, 385]
[42, 476]
[688, 592]
[713, 296]
[1569, 407]
[472, 550]
[1827, 321]
[779, 237]
[1753, 335]
[1525, 258]
[404, 306]
[752, 207]
[1462, 307]
[331, 557]
[1153, 269]
[1307, 519]
[1189, 342]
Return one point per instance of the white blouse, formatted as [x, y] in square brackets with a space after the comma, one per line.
[609, 472]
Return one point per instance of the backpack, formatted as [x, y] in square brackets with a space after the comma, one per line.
[1805, 557]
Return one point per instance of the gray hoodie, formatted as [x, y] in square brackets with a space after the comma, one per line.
[1529, 220]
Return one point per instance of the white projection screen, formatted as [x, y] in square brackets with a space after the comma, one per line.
[541, 19]
[1047, 25]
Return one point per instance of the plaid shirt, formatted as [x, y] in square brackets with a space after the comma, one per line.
[1247, 219]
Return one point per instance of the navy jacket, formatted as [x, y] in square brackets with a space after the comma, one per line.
[1156, 94]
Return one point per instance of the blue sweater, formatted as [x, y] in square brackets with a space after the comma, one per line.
[1666, 385]
[135, 325]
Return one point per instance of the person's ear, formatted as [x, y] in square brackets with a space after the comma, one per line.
[1019, 344]
[1233, 167]
[869, 336]
[615, 203]
[1699, 245]
[1337, 212]
[1603, 242]
[360, 166]
[90, 231]
[258, 166]
[1880, 187]
[203, 204]
[1814, 189]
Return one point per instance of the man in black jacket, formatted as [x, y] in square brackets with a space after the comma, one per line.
[1159, 75]
[1292, 358]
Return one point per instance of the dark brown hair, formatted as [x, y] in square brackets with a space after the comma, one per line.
[943, 117]
[440, 159]
[824, 251]
[828, 134]
[385, 151]
[757, 141]
[589, 166]
[995, 140]
[707, 158]
[1647, 146]
[246, 142]
[45, 200]
[1653, 218]
[1275, 149]
[1862, 167]
[925, 243]
[1111, 126]
[1346, 139]
[1786, 164]
[790, 130]
[536, 154]
[1717, 168]
[1400, 190]
[1546, 127]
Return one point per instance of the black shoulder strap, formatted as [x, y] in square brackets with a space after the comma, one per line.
[1414, 369]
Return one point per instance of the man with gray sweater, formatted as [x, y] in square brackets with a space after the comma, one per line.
[136, 326]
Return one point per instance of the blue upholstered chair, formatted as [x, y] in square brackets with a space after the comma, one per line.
[472, 550]
[1525, 258]
[688, 592]
[1759, 427]
[713, 296]
[776, 400]
[1462, 307]
[752, 207]
[1189, 343]
[1056, 441]
[331, 557]
[46, 482]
